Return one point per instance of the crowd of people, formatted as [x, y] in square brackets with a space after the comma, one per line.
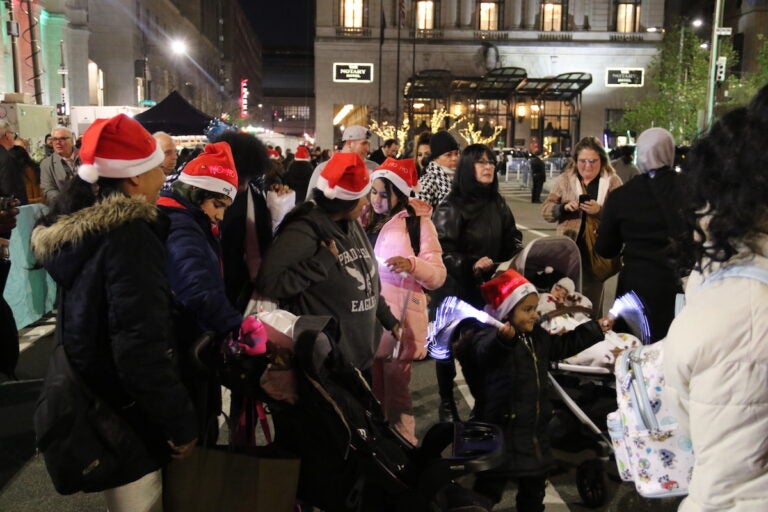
[151, 249]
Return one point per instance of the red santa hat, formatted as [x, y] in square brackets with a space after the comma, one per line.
[213, 170]
[273, 154]
[503, 292]
[302, 154]
[402, 174]
[118, 147]
[344, 177]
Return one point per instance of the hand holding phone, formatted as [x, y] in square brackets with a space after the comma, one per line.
[583, 198]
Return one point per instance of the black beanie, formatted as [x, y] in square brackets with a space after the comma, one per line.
[441, 143]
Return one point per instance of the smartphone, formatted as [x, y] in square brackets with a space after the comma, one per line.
[583, 198]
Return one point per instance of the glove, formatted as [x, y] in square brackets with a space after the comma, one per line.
[253, 337]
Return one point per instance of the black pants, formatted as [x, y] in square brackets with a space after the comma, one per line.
[445, 371]
[538, 185]
[530, 489]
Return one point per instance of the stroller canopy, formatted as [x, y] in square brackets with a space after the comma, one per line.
[559, 252]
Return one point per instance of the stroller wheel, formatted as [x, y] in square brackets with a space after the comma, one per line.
[590, 481]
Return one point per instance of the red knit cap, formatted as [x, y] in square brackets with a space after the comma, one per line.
[213, 169]
[402, 174]
[118, 147]
[344, 177]
[503, 292]
[302, 154]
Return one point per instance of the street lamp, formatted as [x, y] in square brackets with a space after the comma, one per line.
[178, 46]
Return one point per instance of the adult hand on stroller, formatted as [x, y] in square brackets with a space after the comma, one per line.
[182, 451]
[606, 323]
[484, 264]
[507, 332]
[253, 337]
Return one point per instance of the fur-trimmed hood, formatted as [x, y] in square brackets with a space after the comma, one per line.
[65, 245]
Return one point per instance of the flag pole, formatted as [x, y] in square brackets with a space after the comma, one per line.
[397, 73]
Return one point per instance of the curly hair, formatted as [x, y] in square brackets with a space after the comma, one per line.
[727, 182]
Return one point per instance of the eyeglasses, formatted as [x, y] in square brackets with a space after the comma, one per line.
[588, 161]
[59, 139]
[485, 162]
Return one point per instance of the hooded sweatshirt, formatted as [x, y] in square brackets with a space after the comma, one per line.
[308, 279]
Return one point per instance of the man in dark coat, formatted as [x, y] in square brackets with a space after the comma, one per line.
[539, 175]
[388, 150]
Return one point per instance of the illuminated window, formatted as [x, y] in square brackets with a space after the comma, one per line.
[552, 15]
[425, 15]
[489, 16]
[352, 13]
[628, 16]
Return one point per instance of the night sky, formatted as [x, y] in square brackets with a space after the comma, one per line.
[282, 24]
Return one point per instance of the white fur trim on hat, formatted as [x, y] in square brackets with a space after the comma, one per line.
[338, 192]
[511, 301]
[117, 168]
[210, 183]
[396, 180]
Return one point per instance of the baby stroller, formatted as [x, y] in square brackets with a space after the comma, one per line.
[585, 393]
[351, 460]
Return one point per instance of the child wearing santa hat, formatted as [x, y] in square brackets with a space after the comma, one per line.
[506, 370]
[321, 262]
[395, 219]
[102, 245]
[195, 206]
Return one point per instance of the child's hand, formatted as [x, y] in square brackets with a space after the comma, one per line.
[507, 332]
[606, 323]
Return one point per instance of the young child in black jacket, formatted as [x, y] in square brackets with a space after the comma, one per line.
[506, 370]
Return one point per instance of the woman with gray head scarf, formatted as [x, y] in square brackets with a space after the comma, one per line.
[643, 222]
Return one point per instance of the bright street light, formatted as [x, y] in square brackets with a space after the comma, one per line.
[178, 47]
[697, 22]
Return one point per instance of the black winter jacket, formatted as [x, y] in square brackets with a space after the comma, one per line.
[509, 383]
[634, 225]
[469, 230]
[109, 262]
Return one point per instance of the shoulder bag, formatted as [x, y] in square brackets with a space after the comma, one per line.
[86, 445]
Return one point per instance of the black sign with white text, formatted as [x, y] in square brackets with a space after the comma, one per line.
[351, 72]
[631, 77]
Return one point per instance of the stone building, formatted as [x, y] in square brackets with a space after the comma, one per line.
[120, 52]
[547, 71]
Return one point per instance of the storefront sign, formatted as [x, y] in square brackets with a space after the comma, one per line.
[351, 72]
[629, 77]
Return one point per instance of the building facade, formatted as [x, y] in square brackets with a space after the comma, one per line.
[123, 53]
[546, 71]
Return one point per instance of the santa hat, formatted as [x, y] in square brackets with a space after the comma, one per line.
[273, 154]
[568, 284]
[402, 174]
[503, 292]
[302, 154]
[118, 147]
[344, 177]
[213, 170]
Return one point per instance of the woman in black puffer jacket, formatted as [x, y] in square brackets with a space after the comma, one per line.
[476, 230]
[105, 251]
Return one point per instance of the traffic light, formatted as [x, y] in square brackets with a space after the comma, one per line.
[720, 69]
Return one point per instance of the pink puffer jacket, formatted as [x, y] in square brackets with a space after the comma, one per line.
[429, 272]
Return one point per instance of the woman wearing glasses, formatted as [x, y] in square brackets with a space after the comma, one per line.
[476, 230]
[576, 201]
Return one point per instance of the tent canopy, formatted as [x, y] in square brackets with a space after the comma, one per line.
[175, 116]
